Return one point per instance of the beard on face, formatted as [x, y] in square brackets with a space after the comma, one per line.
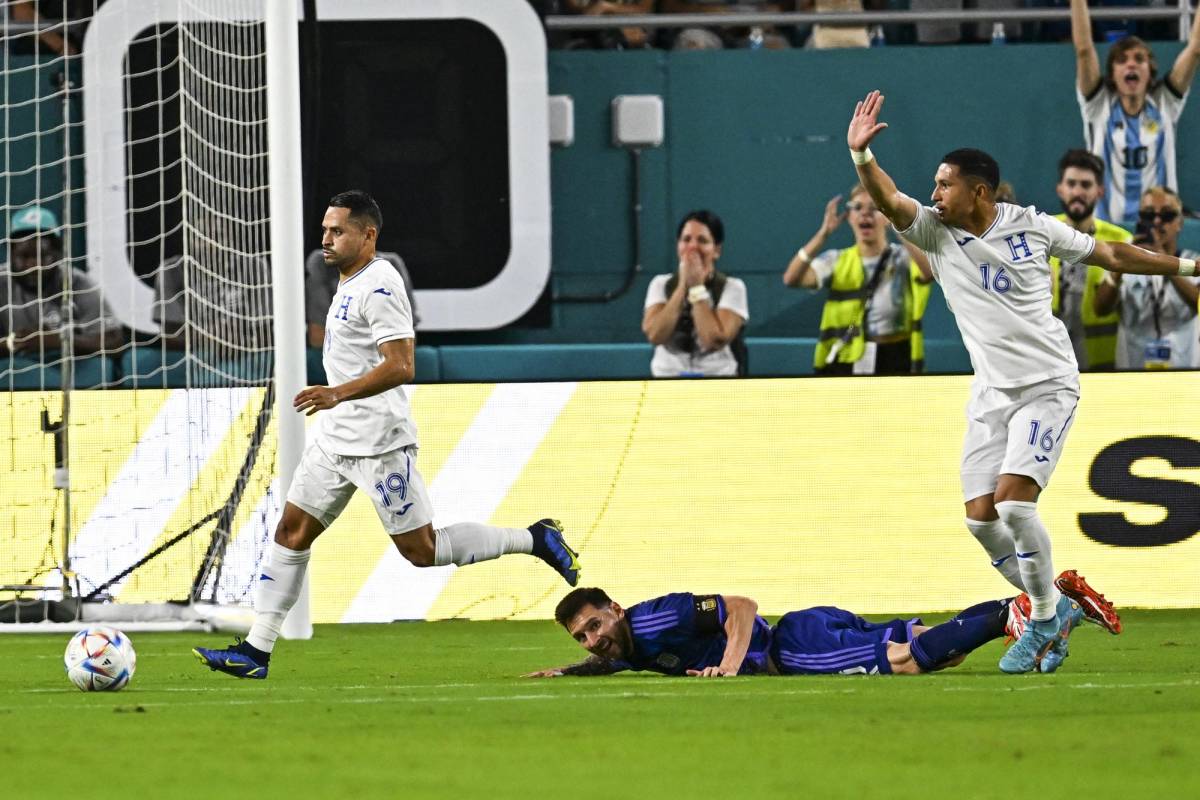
[1077, 216]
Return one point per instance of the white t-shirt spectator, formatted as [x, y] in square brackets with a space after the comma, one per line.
[1144, 296]
[671, 363]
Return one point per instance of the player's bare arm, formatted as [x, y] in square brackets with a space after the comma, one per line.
[864, 126]
[395, 370]
[740, 613]
[1129, 258]
[921, 260]
[1087, 63]
[1184, 70]
[799, 270]
[589, 667]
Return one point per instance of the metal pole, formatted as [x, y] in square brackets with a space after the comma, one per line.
[287, 252]
[62, 469]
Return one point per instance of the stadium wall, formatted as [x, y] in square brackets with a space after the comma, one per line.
[796, 492]
[760, 137]
[757, 136]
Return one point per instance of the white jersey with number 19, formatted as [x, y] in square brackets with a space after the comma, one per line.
[998, 287]
[369, 308]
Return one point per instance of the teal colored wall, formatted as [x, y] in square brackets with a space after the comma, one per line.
[759, 137]
[32, 161]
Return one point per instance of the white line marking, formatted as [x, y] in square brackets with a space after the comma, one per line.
[133, 699]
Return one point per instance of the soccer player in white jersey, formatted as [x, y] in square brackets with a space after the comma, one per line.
[365, 439]
[1129, 115]
[992, 261]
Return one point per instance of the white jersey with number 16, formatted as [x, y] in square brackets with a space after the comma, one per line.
[998, 287]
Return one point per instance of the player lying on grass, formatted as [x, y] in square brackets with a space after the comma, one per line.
[719, 635]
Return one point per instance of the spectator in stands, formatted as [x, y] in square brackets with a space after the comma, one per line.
[1073, 286]
[214, 301]
[1129, 115]
[871, 323]
[618, 39]
[827, 37]
[33, 315]
[1158, 313]
[320, 285]
[57, 36]
[1006, 193]
[694, 316]
[766, 37]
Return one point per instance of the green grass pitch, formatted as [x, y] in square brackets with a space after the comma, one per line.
[438, 710]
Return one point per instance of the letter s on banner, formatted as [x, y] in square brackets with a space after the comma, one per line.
[1112, 477]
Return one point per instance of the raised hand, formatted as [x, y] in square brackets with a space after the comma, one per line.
[865, 124]
[832, 217]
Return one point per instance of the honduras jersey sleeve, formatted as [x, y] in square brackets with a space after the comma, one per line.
[998, 285]
[369, 308]
[682, 631]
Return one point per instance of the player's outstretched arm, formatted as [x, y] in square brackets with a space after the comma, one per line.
[1188, 59]
[1123, 257]
[1087, 63]
[740, 613]
[864, 126]
[591, 666]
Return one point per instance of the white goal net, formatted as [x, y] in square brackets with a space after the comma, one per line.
[139, 350]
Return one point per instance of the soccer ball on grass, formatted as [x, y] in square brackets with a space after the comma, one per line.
[100, 659]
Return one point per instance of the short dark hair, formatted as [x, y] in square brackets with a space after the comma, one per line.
[574, 602]
[704, 217]
[1081, 159]
[976, 164]
[363, 208]
[1118, 49]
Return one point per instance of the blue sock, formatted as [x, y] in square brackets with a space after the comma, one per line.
[984, 608]
[957, 637]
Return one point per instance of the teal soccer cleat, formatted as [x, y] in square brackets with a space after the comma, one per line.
[550, 546]
[1023, 656]
[1070, 613]
[239, 660]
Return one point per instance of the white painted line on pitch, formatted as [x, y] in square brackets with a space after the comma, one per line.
[133, 700]
[470, 486]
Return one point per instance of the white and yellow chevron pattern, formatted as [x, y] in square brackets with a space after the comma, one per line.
[795, 492]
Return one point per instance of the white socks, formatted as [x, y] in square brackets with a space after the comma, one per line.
[470, 542]
[997, 540]
[278, 589]
[1033, 555]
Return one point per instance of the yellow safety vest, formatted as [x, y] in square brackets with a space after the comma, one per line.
[1099, 331]
[842, 316]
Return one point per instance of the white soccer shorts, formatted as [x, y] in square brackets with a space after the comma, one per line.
[324, 482]
[1020, 431]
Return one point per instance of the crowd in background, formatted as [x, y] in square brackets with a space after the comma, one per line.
[828, 36]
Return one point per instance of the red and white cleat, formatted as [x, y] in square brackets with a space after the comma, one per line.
[1018, 617]
[1095, 607]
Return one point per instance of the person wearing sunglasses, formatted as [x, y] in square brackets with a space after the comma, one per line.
[1158, 328]
[871, 322]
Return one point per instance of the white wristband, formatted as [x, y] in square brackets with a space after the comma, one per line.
[803, 256]
[861, 157]
[1187, 266]
[698, 294]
